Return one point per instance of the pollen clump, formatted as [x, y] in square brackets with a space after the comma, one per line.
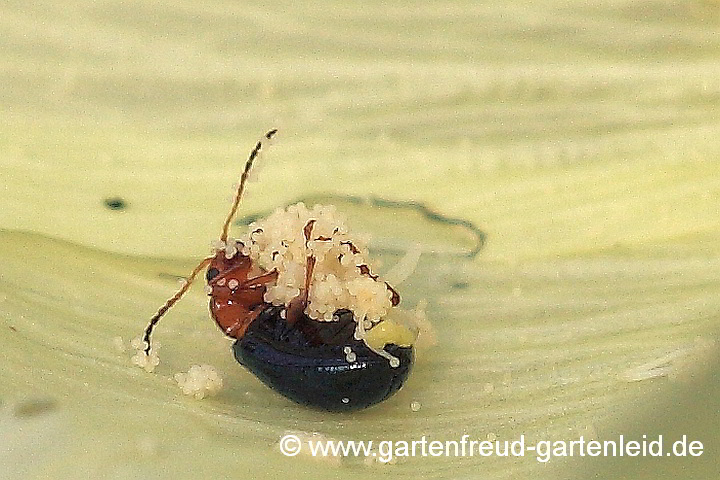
[278, 242]
[141, 359]
[200, 381]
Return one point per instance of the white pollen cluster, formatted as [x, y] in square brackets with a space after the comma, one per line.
[146, 362]
[278, 242]
[200, 381]
[349, 355]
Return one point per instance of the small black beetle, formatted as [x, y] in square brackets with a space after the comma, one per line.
[309, 318]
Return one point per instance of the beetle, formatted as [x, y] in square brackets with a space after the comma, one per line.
[350, 356]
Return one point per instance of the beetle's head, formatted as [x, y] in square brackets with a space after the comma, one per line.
[228, 257]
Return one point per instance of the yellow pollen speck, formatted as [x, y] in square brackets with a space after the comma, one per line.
[389, 332]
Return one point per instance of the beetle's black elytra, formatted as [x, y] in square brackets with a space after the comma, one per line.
[308, 362]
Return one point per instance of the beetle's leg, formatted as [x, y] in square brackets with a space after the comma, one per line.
[261, 280]
[365, 270]
[237, 329]
[171, 301]
[297, 305]
[395, 298]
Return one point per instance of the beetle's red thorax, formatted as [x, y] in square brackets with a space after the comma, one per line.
[237, 292]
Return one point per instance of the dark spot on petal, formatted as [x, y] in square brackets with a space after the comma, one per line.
[32, 408]
[115, 203]
[459, 285]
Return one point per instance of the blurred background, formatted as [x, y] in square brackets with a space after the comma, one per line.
[579, 139]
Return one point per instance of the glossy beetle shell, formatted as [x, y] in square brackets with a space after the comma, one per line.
[308, 362]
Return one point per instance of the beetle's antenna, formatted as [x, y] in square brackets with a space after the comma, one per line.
[241, 186]
[170, 302]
